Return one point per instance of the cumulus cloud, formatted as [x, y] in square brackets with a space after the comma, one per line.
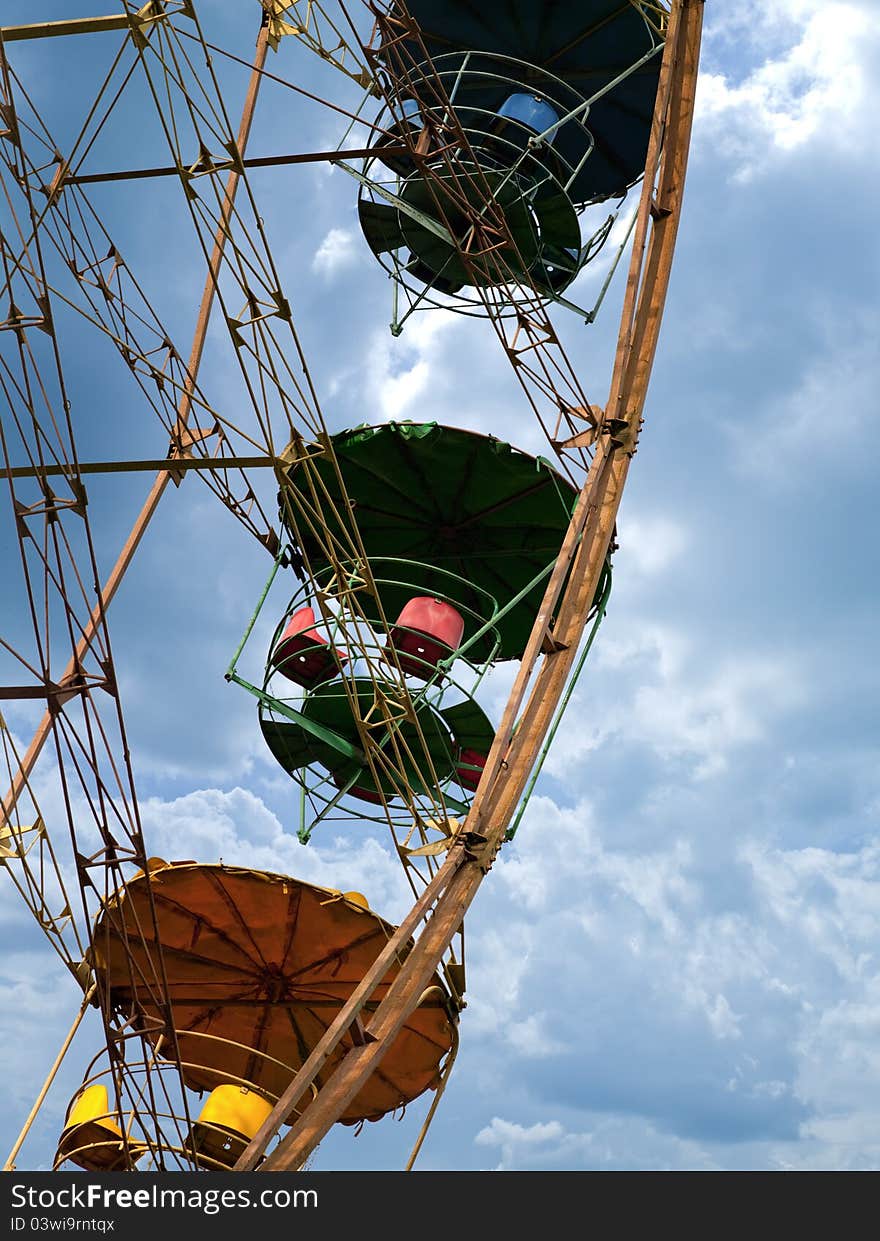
[513, 1139]
[236, 827]
[609, 1144]
[650, 543]
[664, 693]
[818, 85]
[756, 998]
[404, 372]
[339, 250]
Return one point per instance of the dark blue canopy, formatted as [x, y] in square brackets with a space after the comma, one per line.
[585, 43]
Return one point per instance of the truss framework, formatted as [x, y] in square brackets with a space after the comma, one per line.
[94, 776]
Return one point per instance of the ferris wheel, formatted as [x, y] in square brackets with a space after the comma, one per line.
[493, 154]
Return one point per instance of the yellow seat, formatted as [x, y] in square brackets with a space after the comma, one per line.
[353, 898]
[231, 1116]
[91, 1138]
[153, 863]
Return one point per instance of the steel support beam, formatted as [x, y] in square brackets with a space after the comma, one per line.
[257, 161]
[77, 25]
[162, 465]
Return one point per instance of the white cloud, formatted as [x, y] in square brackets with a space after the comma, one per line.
[236, 826]
[777, 990]
[656, 884]
[650, 544]
[501, 1131]
[532, 1037]
[815, 89]
[495, 978]
[831, 898]
[733, 705]
[610, 1143]
[339, 250]
[663, 690]
[404, 370]
[514, 1140]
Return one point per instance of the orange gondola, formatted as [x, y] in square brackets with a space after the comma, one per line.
[258, 965]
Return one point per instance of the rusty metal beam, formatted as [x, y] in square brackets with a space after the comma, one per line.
[449, 895]
[77, 25]
[166, 465]
[257, 161]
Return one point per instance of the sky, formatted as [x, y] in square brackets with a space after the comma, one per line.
[674, 965]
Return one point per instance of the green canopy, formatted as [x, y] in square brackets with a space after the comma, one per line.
[440, 498]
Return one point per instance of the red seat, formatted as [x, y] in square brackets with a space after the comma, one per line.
[303, 655]
[356, 790]
[467, 760]
[426, 631]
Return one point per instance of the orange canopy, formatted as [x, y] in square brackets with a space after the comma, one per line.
[264, 962]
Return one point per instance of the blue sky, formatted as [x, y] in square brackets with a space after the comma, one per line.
[675, 964]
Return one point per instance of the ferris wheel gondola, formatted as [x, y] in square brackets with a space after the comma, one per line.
[553, 106]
